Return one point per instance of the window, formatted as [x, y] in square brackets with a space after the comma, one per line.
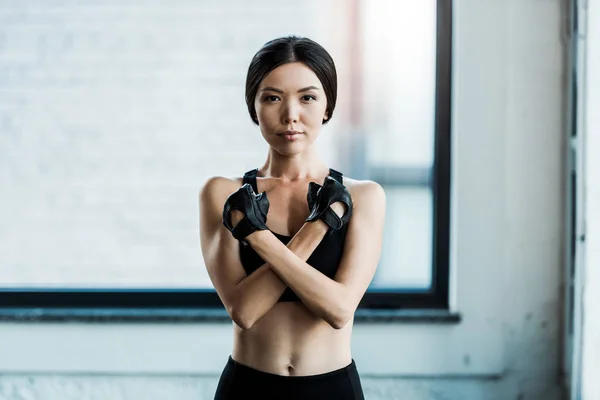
[107, 135]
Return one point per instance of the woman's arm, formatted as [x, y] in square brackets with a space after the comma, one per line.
[247, 298]
[334, 300]
[258, 292]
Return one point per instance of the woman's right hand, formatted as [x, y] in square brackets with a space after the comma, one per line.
[331, 203]
[339, 208]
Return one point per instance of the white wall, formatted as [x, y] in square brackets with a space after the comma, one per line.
[507, 228]
[591, 269]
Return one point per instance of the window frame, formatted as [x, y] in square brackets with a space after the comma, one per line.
[436, 297]
[438, 179]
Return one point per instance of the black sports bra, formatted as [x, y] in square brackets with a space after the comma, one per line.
[325, 258]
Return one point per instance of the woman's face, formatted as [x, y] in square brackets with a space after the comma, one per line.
[290, 106]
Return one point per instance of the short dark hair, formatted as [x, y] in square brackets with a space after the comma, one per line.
[286, 50]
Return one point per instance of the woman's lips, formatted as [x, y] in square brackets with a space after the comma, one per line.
[290, 135]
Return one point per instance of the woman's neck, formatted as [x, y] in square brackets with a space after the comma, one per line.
[291, 168]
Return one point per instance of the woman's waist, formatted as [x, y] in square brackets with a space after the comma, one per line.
[287, 363]
[287, 352]
[285, 373]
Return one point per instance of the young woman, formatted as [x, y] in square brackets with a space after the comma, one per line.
[291, 282]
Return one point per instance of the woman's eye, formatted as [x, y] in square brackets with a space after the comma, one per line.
[271, 98]
[308, 98]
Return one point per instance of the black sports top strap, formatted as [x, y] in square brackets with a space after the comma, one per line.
[337, 175]
[250, 177]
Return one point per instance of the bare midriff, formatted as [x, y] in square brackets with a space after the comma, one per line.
[291, 341]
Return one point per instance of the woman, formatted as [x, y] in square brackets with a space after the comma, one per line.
[291, 286]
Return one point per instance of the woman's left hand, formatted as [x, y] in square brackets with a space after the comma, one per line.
[236, 217]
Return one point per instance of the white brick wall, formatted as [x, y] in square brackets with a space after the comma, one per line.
[111, 117]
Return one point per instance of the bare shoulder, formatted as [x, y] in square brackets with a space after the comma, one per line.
[217, 188]
[212, 197]
[365, 192]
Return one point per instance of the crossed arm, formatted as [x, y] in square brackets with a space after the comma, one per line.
[334, 300]
[248, 298]
[259, 292]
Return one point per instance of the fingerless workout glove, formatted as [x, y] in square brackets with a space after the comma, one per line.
[255, 209]
[321, 197]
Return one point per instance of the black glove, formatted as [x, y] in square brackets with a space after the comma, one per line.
[255, 209]
[321, 197]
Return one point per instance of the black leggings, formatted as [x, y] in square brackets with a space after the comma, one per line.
[242, 382]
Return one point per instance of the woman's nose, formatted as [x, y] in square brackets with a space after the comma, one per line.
[290, 113]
